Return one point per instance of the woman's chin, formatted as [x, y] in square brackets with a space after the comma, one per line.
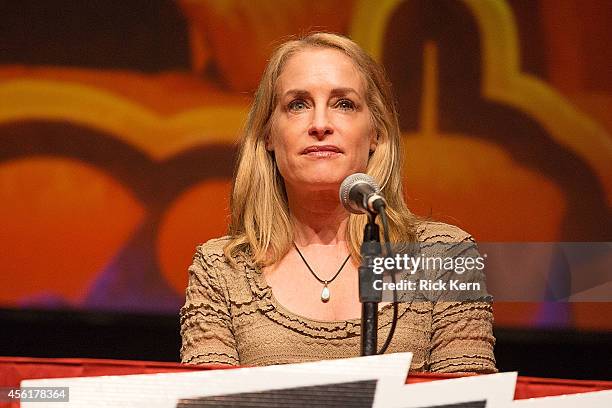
[319, 178]
[321, 183]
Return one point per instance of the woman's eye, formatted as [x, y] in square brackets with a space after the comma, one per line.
[345, 104]
[297, 105]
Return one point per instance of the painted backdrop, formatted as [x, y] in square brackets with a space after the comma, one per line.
[118, 123]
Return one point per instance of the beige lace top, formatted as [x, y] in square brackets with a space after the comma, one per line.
[231, 317]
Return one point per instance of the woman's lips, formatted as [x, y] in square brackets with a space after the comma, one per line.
[321, 151]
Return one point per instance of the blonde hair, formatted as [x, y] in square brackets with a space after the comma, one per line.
[260, 222]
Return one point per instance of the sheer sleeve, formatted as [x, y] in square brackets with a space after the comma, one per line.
[462, 338]
[206, 326]
[462, 322]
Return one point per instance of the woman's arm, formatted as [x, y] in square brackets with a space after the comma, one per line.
[462, 338]
[462, 321]
[206, 326]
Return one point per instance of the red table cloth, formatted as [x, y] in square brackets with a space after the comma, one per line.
[15, 369]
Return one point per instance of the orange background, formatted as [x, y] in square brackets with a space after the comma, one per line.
[118, 126]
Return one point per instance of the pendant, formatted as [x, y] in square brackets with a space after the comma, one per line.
[325, 295]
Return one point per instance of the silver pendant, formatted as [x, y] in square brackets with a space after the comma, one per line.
[325, 295]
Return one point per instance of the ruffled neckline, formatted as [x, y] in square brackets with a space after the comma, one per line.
[333, 329]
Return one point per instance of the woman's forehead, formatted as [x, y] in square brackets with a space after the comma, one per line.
[319, 68]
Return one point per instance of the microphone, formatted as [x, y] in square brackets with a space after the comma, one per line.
[359, 193]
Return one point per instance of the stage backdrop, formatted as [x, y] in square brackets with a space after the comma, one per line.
[118, 124]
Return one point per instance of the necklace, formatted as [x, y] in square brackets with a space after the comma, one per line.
[325, 293]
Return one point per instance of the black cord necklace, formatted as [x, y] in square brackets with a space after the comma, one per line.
[325, 293]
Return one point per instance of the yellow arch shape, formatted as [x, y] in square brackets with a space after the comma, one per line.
[503, 80]
[158, 136]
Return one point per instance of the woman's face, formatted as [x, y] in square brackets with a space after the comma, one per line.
[321, 127]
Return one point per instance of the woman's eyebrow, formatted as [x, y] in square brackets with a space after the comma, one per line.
[297, 93]
[301, 93]
[343, 91]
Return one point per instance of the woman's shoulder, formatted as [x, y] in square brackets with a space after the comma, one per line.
[213, 247]
[433, 231]
[211, 255]
[211, 261]
[233, 277]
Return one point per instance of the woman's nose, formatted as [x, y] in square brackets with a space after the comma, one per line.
[321, 125]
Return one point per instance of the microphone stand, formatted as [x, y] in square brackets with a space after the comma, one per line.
[368, 296]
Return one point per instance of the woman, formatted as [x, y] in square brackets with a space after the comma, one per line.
[282, 287]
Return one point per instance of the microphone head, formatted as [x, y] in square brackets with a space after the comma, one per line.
[351, 182]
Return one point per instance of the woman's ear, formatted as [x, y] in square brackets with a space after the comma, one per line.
[373, 143]
[268, 143]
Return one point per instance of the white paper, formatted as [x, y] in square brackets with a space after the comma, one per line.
[165, 389]
[597, 399]
[497, 389]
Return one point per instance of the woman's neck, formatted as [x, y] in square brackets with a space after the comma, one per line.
[318, 218]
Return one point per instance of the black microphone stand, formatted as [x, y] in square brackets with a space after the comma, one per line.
[368, 296]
